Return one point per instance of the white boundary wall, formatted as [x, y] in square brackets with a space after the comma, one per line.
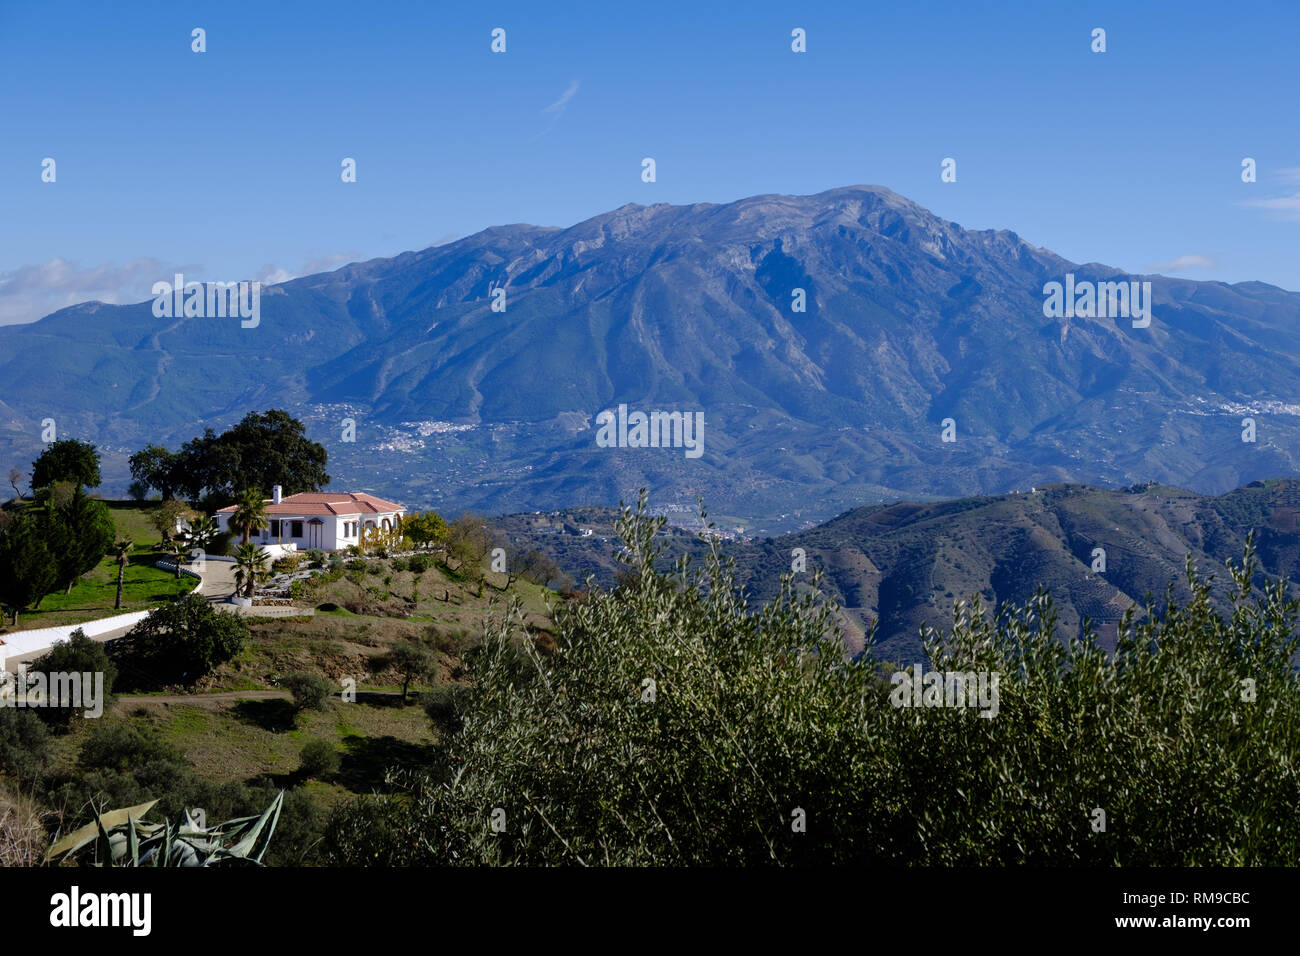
[41, 639]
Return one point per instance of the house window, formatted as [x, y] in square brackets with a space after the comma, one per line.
[275, 529]
[297, 529]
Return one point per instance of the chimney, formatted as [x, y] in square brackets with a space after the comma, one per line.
[276, 494]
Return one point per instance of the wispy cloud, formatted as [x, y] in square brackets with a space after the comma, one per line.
[1287, 207]
[559, 105]
[1184, 264]
[31, 292]
[1282, 207]
[271, 274]
[556, 109]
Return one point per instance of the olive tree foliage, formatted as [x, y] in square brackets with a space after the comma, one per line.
[675, 724]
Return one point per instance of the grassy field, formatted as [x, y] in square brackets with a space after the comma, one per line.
[243, 741]
[93, 596]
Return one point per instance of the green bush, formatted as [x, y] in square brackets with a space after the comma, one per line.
[78, 655]
[183, 640]
[24, 743]
[309, 689]
[757, 742]
[356, 564]
[287, 564]
[319, 759]
[419, 563]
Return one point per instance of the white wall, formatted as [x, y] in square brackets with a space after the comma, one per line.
[332, 537]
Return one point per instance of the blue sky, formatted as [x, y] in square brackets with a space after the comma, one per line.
[227, 163]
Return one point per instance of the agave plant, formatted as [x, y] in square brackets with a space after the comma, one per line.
[119, 838]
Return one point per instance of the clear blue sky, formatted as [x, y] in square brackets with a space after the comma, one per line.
[227, 162]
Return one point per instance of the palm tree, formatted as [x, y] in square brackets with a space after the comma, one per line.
[119, 550]
[250, 514]
[176, 548]
[250, 567]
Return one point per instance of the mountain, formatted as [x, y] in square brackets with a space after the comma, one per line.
[910, 320]
[906, 564]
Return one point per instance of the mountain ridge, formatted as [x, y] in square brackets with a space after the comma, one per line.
[910, 320]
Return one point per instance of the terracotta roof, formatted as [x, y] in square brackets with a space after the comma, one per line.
[326, 503]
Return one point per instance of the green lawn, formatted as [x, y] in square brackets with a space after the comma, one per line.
[92, 597]
[132, 521]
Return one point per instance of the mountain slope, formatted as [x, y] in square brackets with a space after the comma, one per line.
[903, 565]
[910, 320]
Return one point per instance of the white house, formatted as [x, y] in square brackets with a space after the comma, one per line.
[329, 520]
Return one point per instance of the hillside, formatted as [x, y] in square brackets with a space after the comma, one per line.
[910, 320]
[906, 564]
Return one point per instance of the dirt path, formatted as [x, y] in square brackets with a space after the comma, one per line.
[232, 696]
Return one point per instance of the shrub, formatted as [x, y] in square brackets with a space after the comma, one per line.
[674, 724]
[78, 655]
[316, 556]
[24, 743]
[187, 637]
[419, 563]
[125, 747]
[319, 759]
[286, 564]
[444, 704]
[308, 688]
[398, 564]
[356, 564]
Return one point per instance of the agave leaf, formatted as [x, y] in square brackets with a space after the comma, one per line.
[103, 845]
[183, 854]
[133, 842]
[272, 815]
[117, 846]
[77, 839]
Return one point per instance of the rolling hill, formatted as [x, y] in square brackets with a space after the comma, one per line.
[905, 564]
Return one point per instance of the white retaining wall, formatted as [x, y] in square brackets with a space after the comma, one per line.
[42, 639]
